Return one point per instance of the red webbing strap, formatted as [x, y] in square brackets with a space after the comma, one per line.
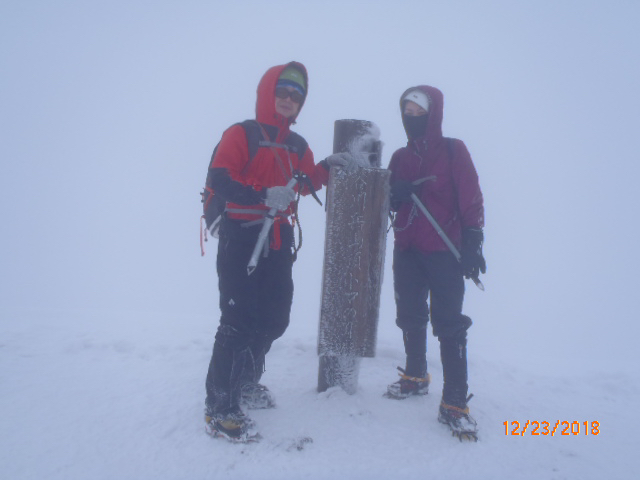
[276, 241]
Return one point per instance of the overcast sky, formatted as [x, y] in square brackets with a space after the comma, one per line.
[109, 112]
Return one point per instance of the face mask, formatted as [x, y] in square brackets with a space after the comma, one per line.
[415, 126]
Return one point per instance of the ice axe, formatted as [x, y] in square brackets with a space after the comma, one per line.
[298, 177]
[443, 236]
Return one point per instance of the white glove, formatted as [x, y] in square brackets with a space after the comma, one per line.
[344, 160]
[279, 197]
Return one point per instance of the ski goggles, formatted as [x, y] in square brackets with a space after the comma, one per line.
[294, 95]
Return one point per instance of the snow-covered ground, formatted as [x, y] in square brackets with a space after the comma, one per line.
[89, 395]
[109, 112]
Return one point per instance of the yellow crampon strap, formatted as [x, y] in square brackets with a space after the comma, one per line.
[457, 409]
[416, 379]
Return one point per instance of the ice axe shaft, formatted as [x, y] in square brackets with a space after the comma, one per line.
[443, 235]
[264, 233]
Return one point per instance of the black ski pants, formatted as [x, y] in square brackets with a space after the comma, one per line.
[417, 275]
[254, 308]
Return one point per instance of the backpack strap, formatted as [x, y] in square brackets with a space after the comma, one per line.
[450, 150]
[254, 136]
[450, 142]
[258, 136]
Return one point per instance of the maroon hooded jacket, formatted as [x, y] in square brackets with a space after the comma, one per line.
[451, 192]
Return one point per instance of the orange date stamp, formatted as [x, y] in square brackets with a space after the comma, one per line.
[560, 428]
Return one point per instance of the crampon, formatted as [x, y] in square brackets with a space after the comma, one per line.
[235, 427]
[462, 425]
[408, 386]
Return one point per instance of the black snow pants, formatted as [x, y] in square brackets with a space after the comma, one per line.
[415, 276]
[254, 308]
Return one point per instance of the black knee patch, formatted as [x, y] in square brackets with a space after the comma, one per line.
[455, 330]
[233, 338]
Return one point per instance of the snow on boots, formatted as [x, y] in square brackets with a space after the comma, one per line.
[407, 386]
[462, 424]
[256, 396]
[233, 425]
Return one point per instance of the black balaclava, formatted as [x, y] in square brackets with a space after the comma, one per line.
[415, 126]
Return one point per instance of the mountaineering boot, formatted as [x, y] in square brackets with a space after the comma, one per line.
[407, 386]
[232, 425]
[462, 424]
[256, 396]
[414, 379]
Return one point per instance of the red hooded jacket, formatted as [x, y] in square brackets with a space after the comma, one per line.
[240, 179]
[451, 192]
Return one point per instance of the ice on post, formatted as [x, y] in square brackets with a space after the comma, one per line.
[355, 241]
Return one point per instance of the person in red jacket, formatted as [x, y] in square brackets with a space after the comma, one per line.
[247, 176]
[440, 172]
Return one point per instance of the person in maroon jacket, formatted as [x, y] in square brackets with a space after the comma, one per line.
[247, 177]
[440, 172]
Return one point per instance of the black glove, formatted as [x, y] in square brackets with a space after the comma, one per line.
[401, 191]
[472, 261]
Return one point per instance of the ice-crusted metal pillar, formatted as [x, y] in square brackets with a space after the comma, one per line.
[355, 241]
